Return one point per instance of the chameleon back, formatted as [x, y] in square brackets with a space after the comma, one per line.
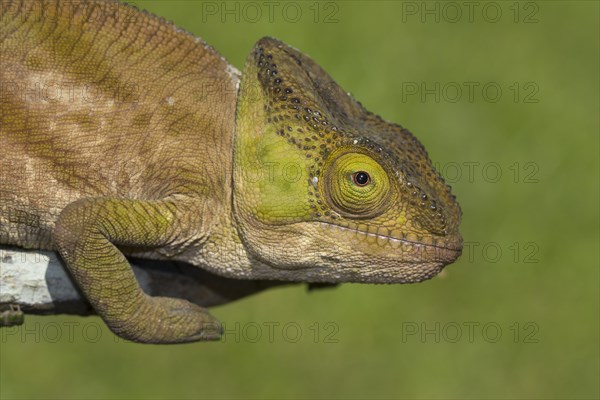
[98, 99]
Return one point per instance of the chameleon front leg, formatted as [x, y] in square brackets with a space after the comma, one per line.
[86, 235]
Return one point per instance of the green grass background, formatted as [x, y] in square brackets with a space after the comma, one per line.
[547, 310]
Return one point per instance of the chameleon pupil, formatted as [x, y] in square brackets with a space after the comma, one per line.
[361, 178]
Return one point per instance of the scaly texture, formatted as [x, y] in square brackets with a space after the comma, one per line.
[401, 225]
[123, 135]
[106, 110]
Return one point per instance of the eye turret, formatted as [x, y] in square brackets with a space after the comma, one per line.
[356, 185]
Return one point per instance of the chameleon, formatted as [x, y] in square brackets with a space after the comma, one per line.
[123, 135]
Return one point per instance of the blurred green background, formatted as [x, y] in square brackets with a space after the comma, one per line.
[506, 100]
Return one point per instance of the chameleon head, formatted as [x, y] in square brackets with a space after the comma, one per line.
[327, 191]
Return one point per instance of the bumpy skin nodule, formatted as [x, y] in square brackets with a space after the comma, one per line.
[123, 135]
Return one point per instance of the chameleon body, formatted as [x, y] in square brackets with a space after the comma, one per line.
[121, 134]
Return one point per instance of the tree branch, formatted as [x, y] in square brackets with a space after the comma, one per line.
[38, 283]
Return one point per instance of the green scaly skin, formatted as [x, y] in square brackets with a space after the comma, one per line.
[154, 149]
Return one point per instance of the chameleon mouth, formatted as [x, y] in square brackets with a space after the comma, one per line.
[446, 253]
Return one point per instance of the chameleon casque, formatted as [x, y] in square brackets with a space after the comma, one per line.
[121, 134]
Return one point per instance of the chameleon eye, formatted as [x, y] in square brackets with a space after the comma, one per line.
[361, 178]
[356, 185]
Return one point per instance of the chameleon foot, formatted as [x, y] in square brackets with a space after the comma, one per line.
[169, 320]
[12, 317]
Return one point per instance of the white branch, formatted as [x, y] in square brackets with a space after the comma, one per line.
[37, 282]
